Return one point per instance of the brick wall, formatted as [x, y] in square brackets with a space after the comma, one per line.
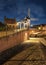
[12, 40]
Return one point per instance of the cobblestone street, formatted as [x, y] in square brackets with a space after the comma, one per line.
[34, 55]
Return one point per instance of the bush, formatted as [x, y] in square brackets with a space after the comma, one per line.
[2, 28]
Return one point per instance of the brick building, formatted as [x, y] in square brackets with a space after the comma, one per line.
[10, 22]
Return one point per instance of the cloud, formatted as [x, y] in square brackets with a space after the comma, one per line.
[19, 8]
[37, 10]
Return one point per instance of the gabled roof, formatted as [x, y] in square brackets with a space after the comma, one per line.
[10, 21]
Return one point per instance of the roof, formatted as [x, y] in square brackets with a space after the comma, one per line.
[10, 21]
[25, 19]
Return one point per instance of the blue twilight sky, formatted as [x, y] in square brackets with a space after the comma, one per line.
[19, 9]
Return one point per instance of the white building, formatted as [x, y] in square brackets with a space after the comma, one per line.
[25, 23]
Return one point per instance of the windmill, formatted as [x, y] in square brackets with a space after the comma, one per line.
[31, 19]
[26, 21]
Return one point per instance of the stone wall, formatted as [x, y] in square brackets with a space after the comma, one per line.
[12, 40]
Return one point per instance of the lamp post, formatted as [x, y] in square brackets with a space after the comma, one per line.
[6, 33]
[6, 30]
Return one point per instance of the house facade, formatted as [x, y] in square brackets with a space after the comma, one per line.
[10, 22]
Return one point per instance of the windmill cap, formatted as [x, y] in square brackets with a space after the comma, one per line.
[28, 17]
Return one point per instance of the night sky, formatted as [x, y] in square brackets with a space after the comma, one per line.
[19, 9]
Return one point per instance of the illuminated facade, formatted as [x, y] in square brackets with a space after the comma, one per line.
[11, 23]
[25, 23]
